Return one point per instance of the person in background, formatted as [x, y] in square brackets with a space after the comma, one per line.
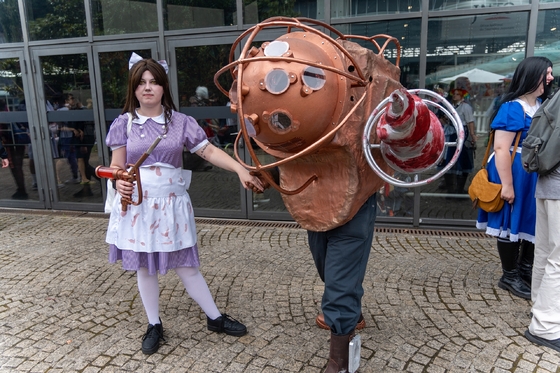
[15, 138]
[514, 224]
[455, 179]
[544, 328]
[68, 138]
[4, 157]
[160, 234]
[86, 141]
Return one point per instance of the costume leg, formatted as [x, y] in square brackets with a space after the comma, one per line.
[461, 181]
[318, 247]
[542, 247]
[511, 280]
[148, 287]
[525, 262]
[338, 354]
[16, 155]
[345, 264]
[198, 290]
[546, 279]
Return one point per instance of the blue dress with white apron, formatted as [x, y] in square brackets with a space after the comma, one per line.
[514, 221]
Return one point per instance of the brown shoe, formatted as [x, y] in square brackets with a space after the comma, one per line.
[320, 321]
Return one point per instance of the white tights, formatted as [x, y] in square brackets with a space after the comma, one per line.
[194, 283]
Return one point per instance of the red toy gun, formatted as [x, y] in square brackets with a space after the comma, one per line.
[132, 175]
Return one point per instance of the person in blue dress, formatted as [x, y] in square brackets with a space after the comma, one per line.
[514, 224]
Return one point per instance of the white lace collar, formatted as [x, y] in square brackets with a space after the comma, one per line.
[142, 119]
[529, 110]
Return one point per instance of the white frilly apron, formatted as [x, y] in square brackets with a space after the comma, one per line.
[164, 221]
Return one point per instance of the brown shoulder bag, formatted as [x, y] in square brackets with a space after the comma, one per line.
[485, 194]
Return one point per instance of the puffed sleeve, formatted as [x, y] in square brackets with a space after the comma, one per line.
[510, 117]
[195, 137]
[116, 137]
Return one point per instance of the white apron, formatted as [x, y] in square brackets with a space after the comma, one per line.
[164, 221]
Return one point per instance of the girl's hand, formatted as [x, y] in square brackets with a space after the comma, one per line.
[508, 193]
[125, 188]
[250, 182]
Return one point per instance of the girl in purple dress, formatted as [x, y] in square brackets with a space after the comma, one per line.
[160, 234]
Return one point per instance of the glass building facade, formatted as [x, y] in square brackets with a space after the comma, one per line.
[64, 66]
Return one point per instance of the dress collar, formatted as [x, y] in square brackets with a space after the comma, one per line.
[142, 119]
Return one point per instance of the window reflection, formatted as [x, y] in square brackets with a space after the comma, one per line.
[71, 127]
[186, 14]
[408, 34]
[475, 4]
[257, 11]
[548, 35]
[10, 25]
[342, 8]
[199, 98]
[114, 17]
[476, 54]
[18, 181]
[55, 19]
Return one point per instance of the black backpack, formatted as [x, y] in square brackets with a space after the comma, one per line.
[540, 151]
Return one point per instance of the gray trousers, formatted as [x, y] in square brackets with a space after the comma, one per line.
[341, 256]
[545, 288]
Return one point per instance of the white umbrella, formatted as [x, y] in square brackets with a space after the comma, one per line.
[476, 76]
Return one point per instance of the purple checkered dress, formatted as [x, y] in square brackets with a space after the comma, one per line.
[160, 233]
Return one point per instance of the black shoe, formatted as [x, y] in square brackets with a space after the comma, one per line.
[20, 195]
[550, 343]
[526, 273]
[226, 324]
[150, 340]
[511, 281]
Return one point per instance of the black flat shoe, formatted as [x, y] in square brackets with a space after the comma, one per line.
[226, 324]
[550, 343]
[150, 340]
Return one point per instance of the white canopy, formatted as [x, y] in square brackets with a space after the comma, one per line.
[476, 76]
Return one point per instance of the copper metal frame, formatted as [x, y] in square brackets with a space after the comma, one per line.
[236, 70]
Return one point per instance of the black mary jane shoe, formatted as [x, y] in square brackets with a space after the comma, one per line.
[150, 340]
[226, 324]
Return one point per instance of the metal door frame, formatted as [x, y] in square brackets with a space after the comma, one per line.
[47, 162]
[31, 117]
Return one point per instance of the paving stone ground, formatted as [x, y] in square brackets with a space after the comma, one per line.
[431, 304]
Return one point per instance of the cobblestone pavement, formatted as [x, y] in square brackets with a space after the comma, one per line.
[431, 304]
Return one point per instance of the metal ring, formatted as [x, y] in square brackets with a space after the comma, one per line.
[446, 108]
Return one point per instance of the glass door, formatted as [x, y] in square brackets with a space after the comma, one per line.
[69, 126]
[20, 174]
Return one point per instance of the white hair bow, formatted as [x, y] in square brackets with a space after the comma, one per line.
[135, 58]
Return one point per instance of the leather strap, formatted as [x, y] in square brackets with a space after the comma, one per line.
[491, 144]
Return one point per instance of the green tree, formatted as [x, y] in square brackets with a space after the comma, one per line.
[10, 24]
[56, 19]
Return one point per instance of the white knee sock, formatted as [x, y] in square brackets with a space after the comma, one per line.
[198, 290]
[148, 287]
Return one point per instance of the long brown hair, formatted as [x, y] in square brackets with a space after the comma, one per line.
[134, 77]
